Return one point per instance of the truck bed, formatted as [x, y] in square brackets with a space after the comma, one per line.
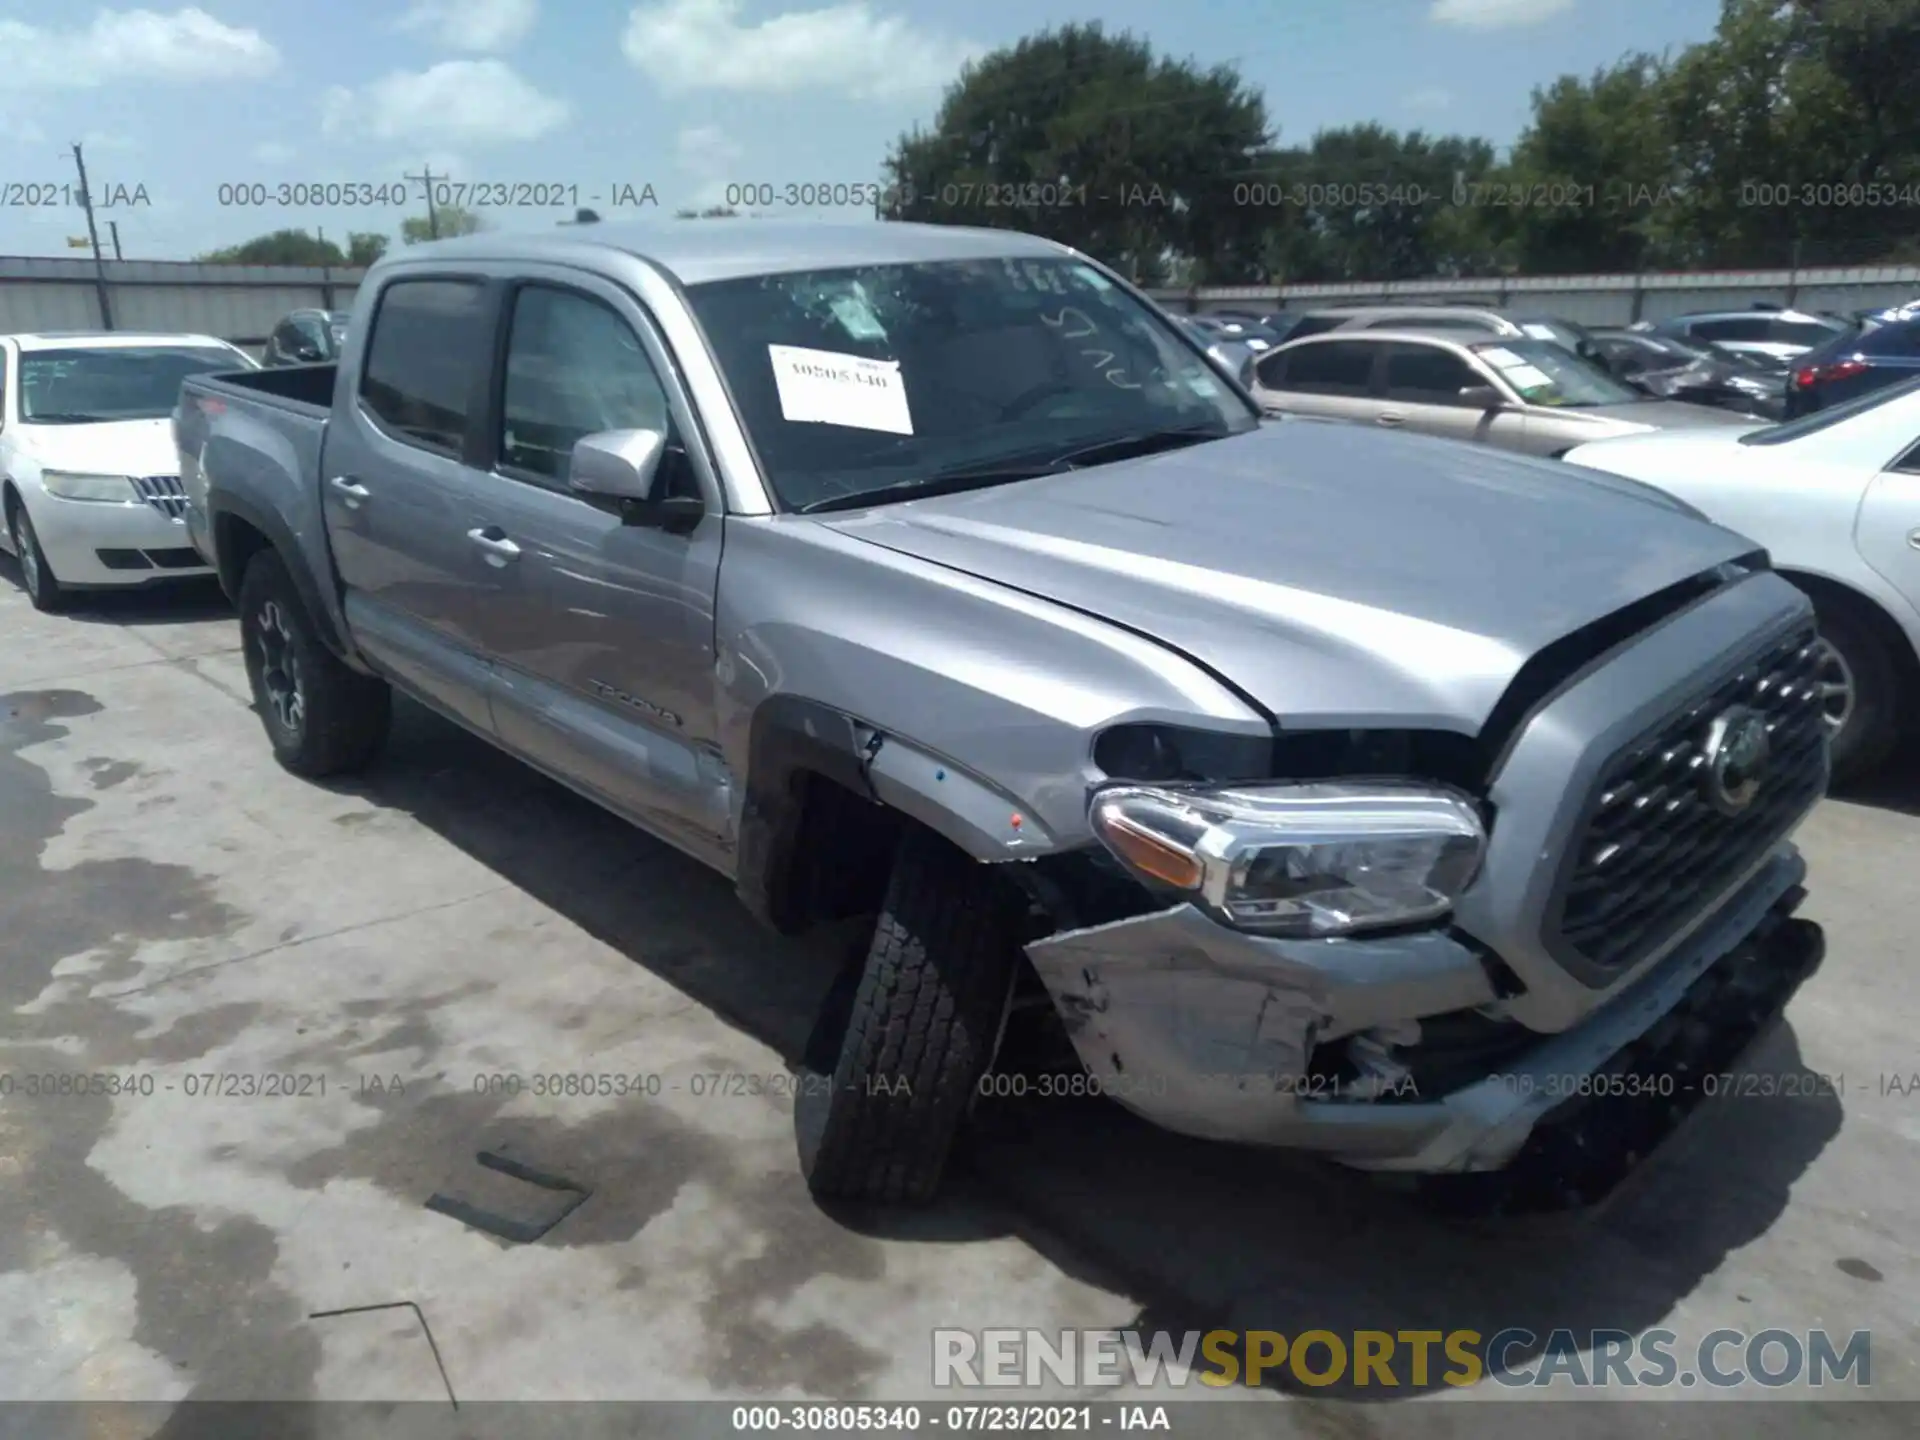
[292, 387]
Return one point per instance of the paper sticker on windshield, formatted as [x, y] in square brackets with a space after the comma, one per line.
[1528, 377]
[1505, 359]
[856, 316]
[1087, 275]
[1539, 332]
[822, 387]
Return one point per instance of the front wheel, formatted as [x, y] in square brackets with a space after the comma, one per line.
[322, 717]
[1860, 689]
[878, 1117]
[43, 587]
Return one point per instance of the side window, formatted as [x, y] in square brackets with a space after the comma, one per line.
[1428, 375]
[1754, 328]
[1800, 332]
[1271, 371]
[1335, 367]
[428, 347]
[1316, 325]
[574, 368]
[1892, 340]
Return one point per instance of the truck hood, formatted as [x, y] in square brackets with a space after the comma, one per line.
[1335, 575]
[116, 447]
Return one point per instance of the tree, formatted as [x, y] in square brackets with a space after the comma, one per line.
[365, 247]
[282, 247]
[448, 220]
[1094, 141]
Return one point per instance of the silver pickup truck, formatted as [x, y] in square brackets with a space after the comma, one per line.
[1369, 794]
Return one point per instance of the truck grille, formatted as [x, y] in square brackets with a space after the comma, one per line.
[164, 493]
[1664, 836]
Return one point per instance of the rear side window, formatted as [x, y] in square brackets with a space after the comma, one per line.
[429, 346]
[1335, 367]
[1801, 332]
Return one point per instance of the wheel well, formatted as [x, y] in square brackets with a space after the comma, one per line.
[235, 543]
[841, 851]
[1834, 595]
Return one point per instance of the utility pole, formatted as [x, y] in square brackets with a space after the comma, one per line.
[426, 177]
[93, 234]
[113, 226]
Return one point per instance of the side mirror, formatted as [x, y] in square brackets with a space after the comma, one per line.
[624, 466]
[1482, 397]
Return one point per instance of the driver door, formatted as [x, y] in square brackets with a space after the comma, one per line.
[1889, 524]
[601, 631]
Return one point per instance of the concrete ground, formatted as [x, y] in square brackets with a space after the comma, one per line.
[172, 905]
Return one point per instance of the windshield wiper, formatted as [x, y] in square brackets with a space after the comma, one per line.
[63, 417]
[969, 477]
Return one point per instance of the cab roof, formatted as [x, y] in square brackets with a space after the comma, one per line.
[695, 251]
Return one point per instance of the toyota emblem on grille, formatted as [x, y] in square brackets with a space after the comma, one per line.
[1736, 754]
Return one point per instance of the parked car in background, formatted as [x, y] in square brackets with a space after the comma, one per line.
[89, 480]
[1250, 333]
[1673, 369]
[1780, 334]
[1235, 357]
[1517, 394]
[1871, 356]
[306, 337]
[930, 575]
[1835, 498]
[1472, 319]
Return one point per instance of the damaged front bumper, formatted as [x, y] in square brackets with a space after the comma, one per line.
[1211, 1032]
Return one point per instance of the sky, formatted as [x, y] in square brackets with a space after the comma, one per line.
[190, 117]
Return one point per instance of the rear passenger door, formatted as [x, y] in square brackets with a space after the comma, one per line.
[602, 631]
[1330, 378]
[397, 488]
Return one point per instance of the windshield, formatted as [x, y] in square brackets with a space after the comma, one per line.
[124, 382]
[1544, 374]
[1664, 352]
[1819, 420]
[856, 380]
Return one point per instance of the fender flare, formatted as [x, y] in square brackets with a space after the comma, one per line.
[280, 537]
[791, 735]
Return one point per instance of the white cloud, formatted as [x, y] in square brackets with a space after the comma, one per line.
[272, 152]
[703, 44]
[1495, 14]
[472, 101]
[704, 149]
[131, 46]
[16, 130]
[479, 25]
[1429, 99]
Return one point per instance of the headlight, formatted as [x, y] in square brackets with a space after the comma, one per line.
[69, 485]
[1313, 860]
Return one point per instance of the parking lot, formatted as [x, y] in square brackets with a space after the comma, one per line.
[410, 950]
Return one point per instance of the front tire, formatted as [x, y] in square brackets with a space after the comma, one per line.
[322, 717]
[920, 1029]
[1861, 689]
[43, 587]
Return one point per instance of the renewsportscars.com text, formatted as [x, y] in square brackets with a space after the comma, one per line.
[1403, 1359]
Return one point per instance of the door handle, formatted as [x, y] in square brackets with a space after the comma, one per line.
[351, 491]
[1390, 417]
[498, 549]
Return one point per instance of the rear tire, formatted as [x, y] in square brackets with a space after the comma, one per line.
[43, 587]
[920, 1029]
[1871, 727]
[322, 717]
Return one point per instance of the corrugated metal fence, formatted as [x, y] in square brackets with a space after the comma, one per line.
[242, 302]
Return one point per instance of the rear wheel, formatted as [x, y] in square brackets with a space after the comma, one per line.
[1860, 688]
[43, 587]
[322, 717]
[897, 1059]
